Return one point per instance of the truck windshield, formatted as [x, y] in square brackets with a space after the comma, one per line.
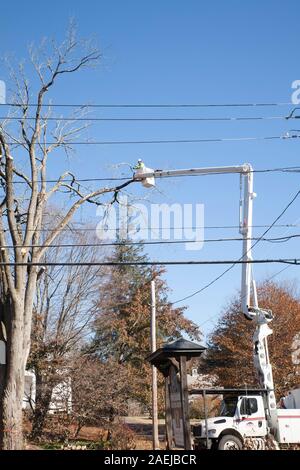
[228, 406]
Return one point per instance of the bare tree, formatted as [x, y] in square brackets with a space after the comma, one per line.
[25, 149]
[99, 392]
[64, 311]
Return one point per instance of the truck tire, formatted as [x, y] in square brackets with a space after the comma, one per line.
[230, 442]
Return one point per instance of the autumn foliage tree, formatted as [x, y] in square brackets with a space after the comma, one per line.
[229, 354]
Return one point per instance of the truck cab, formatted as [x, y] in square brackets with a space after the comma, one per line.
[240, 416]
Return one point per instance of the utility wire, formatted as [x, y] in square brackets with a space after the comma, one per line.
[155, 242]
[234, 264]
[290, 169]
[149, 119]
[81, 180]
[89, 229]
[291, 261]
[168, 141]
[148, 105]
[267, 280]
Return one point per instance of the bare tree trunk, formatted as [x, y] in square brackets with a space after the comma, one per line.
[12, 386]
[77, 430]
[42, 405]
[11, 423]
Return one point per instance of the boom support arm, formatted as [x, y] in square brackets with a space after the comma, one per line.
[253, 312]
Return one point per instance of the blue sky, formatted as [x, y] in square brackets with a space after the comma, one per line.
[184, 52]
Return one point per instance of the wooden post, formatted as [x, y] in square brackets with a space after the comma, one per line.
[185, 404]
[205, 416]
[154, 370]
[168, 414]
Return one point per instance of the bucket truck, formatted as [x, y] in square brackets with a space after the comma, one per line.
[245, 414]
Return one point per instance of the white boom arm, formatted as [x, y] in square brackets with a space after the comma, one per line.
[261, 317]
[147, 177]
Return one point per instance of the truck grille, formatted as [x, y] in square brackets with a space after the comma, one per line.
[197, 430]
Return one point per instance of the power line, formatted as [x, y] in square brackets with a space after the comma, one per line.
[234, 264]
[168, 141]
[267, 280]
[80, 180]
[278, 272]
[291, 169]
[148, 105]
[149, 119]
[290, 261]
[209, 227]
[154, 242]
[280, 239]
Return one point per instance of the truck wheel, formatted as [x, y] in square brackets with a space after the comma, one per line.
[229, 442]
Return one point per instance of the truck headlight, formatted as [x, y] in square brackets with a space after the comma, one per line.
[212, 431]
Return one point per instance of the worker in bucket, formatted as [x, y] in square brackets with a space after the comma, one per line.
[139, 165]
[141, 169]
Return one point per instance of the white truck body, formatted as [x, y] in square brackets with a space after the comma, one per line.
[245, 417]
[288, 426]
[235, 419]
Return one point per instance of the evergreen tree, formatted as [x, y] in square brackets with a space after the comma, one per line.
[122, 327]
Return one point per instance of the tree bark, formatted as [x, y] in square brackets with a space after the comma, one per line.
[12, 386]
[11, 418]
[42, 404]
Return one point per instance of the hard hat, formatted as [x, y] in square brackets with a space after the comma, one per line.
[139, 160]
